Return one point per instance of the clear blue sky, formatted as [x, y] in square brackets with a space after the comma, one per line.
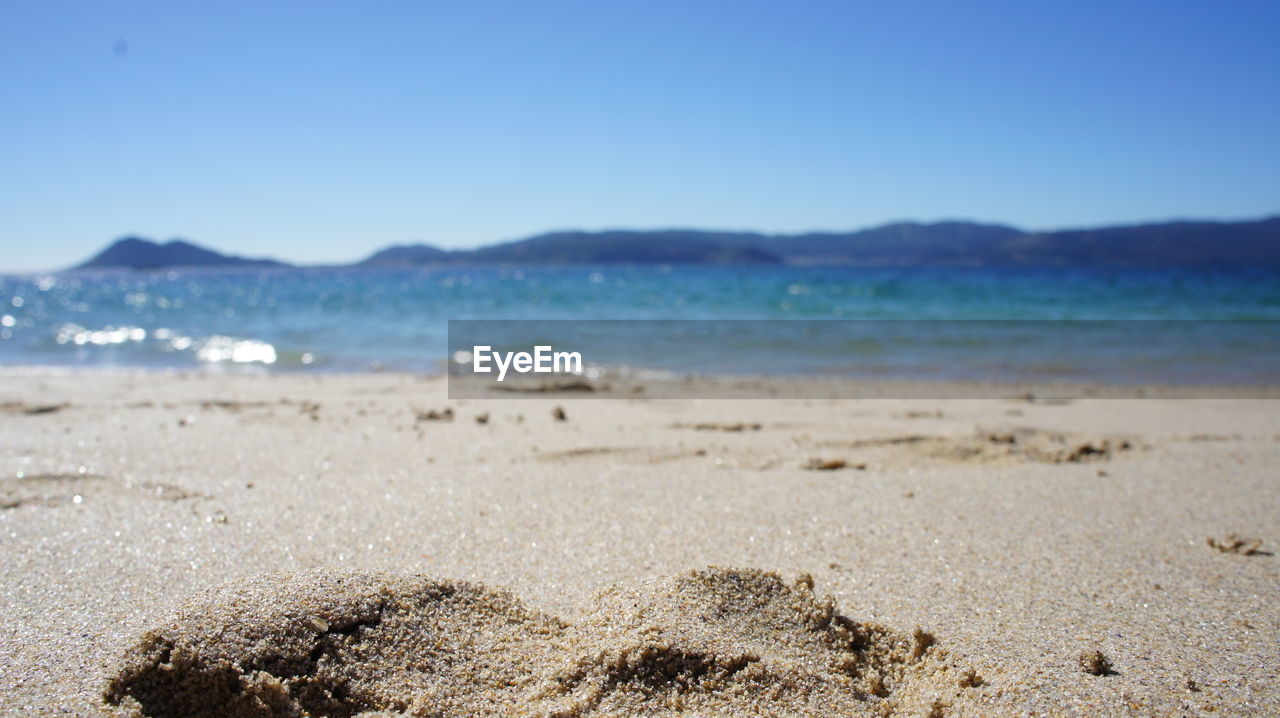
[319, 131]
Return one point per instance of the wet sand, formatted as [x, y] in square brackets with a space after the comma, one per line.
[338, 544]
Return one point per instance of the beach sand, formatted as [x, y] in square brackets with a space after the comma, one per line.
[178, 544]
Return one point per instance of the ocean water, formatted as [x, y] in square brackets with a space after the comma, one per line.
[319, 320]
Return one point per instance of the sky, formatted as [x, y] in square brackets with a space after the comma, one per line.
[317, 131]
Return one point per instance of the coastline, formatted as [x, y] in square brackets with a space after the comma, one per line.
[1019, 532]
[640, 383]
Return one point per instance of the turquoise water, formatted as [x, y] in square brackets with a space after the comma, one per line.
[357, 320]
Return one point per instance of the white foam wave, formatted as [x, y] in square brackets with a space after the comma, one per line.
[217, 349]
[78, 335]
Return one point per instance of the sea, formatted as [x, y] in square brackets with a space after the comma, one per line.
[1166, 326]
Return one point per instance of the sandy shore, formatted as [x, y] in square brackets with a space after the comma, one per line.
[973, 552]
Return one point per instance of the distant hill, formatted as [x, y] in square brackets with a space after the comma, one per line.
[1251, 244]
[138, 253]
[619, 247]
[405, 255]
[899, 244]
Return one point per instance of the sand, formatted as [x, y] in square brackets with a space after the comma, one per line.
[717, 641]
[297, 545]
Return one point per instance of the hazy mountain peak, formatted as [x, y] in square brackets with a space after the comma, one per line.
[139, 253]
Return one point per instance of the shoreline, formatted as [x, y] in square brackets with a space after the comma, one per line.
[645, 384]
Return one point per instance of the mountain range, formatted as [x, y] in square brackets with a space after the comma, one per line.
[1169, 244]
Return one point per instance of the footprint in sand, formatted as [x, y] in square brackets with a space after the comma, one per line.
[992, 446]
[44, 489]
[18, 407]
[75, 488]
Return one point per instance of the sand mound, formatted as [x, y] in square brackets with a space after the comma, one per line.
[724, 641]
[332, 643]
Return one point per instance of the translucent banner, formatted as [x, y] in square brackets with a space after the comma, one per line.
[863, 358]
